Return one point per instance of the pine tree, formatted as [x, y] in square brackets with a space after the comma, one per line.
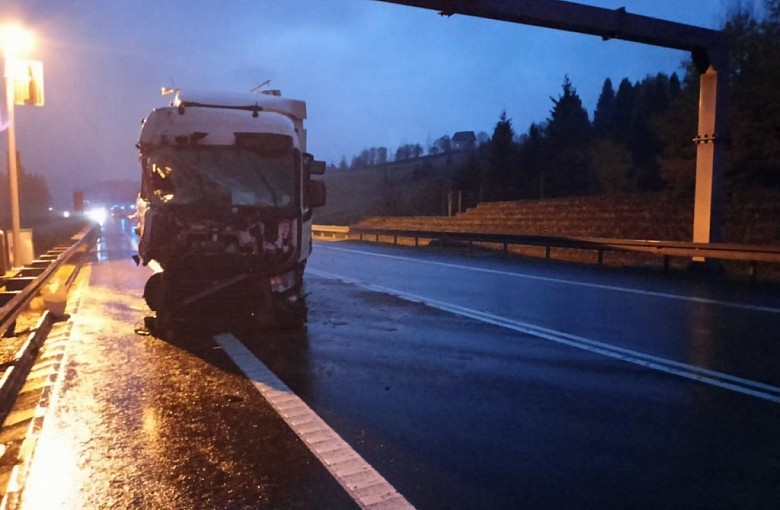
[674, 86]
[674, 128]
[754, 155]
[569, 135]
[652, 96]
[501, 157]
[624, 106]
[529, 179]
[604, 115]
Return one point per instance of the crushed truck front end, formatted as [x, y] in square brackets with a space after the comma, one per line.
[226, 206]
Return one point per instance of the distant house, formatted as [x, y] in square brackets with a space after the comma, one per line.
[464, 140]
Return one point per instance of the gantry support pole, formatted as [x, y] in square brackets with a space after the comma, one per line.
[711, 143]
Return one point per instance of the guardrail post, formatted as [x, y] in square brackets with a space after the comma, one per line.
[601, 257]
[4, 264]
[547, 252]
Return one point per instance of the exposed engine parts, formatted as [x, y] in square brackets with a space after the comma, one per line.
[167, 235]
[225, 209]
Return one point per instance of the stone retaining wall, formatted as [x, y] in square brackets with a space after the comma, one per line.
[750, 218]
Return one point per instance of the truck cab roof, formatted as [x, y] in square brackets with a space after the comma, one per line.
[293, 108]
[204, 118]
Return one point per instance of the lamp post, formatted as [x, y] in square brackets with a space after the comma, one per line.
[14, 40]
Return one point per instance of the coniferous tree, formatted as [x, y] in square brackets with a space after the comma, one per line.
[624, 106]
[604, 114]
[529, 174]
[674, 128]
[754, 154]
[675, 87]
[501, 157]
[569, 135]
[652, 96]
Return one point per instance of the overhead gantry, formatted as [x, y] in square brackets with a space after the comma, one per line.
[709, 52]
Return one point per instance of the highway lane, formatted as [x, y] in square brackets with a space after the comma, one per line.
[458, 413]
[728, 328]
[453, 411]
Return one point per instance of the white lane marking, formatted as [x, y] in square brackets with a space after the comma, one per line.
[707, 301]
[711, 377]
[361, 481]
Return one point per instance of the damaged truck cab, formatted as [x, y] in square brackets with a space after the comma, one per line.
[225, 209]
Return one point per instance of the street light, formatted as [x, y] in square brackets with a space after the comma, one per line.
[14, 40]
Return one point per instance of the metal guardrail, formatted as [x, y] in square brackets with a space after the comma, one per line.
[666, 249]
[324, 232]
[17, 304]
[14, 375]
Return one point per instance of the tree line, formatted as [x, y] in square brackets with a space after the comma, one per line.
[640, 137]
[376, 156]
[34, 197]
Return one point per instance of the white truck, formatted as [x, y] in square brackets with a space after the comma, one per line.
[226, 206]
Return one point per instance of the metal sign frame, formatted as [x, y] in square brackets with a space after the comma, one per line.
[709, 50]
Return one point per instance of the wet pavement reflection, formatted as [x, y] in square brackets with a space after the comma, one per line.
[454, 413]
[140, 422]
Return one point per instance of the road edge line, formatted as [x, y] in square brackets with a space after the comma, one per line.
[370, 489]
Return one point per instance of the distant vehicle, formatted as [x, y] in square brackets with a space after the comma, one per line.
[226, 208]
[120, 211]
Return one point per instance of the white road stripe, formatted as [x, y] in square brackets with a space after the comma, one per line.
[666, 295]
[361, 481]
[711, 377]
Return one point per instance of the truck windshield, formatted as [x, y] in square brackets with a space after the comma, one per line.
[226, 175]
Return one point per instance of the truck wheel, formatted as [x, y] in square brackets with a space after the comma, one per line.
[154, 292]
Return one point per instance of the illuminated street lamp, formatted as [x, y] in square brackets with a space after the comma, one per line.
[14, 40]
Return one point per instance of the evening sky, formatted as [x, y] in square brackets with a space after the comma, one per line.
[372, 73]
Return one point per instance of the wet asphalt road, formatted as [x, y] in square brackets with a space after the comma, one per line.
[449, 400]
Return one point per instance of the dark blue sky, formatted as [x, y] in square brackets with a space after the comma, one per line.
[372, 73]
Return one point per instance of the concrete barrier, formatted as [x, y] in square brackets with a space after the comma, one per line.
[27, 252]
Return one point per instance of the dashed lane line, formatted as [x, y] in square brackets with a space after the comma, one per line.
[361, 481]
[600, 286]
[703, 375]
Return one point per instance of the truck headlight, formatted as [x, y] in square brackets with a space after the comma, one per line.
[283, 282]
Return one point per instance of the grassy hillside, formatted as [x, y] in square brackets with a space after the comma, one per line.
[415, 187]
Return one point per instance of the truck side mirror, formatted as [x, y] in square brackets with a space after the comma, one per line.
[315, 193]
[311, 166]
